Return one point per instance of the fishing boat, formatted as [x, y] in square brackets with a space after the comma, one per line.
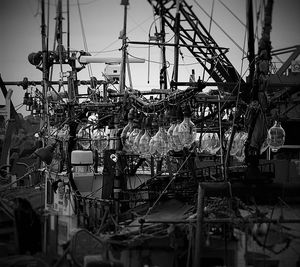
[202, 172]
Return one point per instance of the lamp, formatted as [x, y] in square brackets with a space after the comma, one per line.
[159, 144]
[145, 140]
[134, 134]
[127, 130]
[83, 136]
[240, 152]
[136, 142]
[187, 129]
[45, 153]
[276, 136]
[177, 145]
[170, 131]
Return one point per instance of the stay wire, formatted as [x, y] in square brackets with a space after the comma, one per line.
[219, 26]
[232, 13]
[117, 40]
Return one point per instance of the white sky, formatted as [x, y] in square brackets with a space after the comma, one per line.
[103, 20]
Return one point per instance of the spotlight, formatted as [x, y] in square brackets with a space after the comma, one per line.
[35, 58]
[46, 153]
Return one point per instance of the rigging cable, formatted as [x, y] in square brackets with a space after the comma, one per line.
[210, 22]
[219, 27]
[231, 137]
[117, 40]
[232, 13]
[169, 64]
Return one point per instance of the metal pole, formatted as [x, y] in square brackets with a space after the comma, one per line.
[251, 52]
[176, 42]
[45, 115]
[163, 49]
[125, 3]
[200, 202]
[224, 173]
[7, 119]
[68, 27]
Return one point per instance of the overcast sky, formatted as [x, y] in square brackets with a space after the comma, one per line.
[103, 20]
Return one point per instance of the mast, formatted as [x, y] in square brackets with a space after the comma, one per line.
[45, 64]
[176, 42]
[125, 3]
[163, 72]
[256, 121]
[68, 27]
[251, 52]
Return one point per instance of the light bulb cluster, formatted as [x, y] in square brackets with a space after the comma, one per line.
[179, 135]
[176, 131]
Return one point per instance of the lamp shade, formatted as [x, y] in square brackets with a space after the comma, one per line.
[46, 153]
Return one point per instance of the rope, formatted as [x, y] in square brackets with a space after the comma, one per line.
[218, 26]
[117, 40]
[232, 13]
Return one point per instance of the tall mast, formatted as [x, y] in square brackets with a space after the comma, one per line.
[45, 57]
[68, 27]
[176, 41]
[251, 52]
[163, 72]
[257, 131]
[125, 3]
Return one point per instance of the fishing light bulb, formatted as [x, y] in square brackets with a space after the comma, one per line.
[215, 145]
[159, 145]
[132, 137]
[126, 131]
[136, 143]
[144, 144]
[235, 147]
[170, 131]
[176, 135]
[276, 137]
[240, 154]
[99, 139]
[152, 145]
[187, 129]
[84, 136]
[205, 142]
[63, 133]
[162, 146]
